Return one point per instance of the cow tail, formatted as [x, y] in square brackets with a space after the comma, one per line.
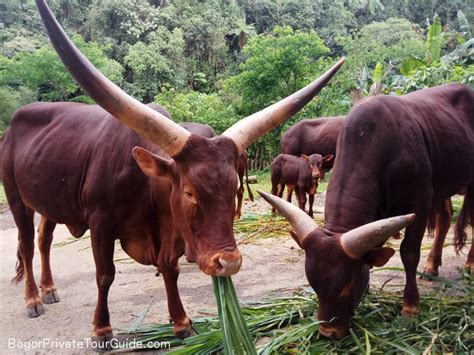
[249, 191]
[20, 270]
[431, 223]
[460, 235]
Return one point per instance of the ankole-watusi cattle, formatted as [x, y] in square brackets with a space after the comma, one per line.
[125, 171]
[299, 174]
[313, 136]
[395, 155]
[207, 131]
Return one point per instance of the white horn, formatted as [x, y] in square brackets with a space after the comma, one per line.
[249, 129]
[299, 220]
[142, 119]
[360, 240]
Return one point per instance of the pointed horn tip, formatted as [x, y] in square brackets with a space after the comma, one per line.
[408, 218]
[266, 196]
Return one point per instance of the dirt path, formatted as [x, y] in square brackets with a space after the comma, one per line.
[271, 267]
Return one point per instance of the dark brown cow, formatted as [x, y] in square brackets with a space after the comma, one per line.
[297, 173]
[313, 136]
[395, 155]
[207, 131]
[72, 164]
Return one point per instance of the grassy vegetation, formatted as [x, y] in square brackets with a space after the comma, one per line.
[3, 197]
[287, 325]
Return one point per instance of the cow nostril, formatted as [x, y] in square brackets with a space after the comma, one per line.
[229, 267]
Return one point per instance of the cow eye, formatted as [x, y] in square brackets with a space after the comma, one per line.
[190, 196]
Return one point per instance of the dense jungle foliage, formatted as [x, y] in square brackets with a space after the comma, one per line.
[216, 61]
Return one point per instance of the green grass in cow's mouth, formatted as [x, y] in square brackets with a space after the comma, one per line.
[287, 325]
[235, 333]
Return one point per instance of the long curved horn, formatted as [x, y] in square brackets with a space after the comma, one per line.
[249, 129]
[359, 241]
[300, 221]
[146, 122]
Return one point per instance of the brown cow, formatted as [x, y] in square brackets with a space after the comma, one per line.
[313, 136]
[207, 131]
[395, 155]
[297, 173]
[72, 164]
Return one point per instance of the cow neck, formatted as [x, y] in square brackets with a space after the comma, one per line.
[354, 197]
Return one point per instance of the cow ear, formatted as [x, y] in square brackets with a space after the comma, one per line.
[378, 257]
[296, 238]
[304, 156]
[328, 157]
[153, 165]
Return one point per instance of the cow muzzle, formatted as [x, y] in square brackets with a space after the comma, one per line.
[222, 263]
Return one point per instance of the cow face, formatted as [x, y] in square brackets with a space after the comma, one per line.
[339, 280]
[204, 184]
[316, 162]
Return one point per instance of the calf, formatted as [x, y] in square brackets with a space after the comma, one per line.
[297, 173]
[313, 136]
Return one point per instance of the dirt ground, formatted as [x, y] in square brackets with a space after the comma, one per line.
[271, 267]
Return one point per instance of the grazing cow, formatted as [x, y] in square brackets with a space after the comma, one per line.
[313, 136]
[296, 173]
[395, 155]
[205, 130]
[79, 165]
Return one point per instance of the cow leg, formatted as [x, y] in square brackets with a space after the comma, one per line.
[276, 187]
[172, 249]
[410, 253]
[181, 322]
[469, 203]
[300, 192]
[240, 197]
[26, 249]
[103, 251]
[442, 224]
[311, 202]
[49, 293]
[289, 193]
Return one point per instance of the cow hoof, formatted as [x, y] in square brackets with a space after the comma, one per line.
[429, 271]
[409, 311]
[34, 310]
[185, 333]
[50, 297]
[469, 268]
[101, 344]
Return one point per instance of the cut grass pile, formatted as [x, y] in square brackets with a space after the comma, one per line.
[287, 325]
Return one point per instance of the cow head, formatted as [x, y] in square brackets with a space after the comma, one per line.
[337, 265]
[316, 162]
[204, 183]
[202, 171]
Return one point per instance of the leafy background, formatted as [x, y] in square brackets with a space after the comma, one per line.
[216, 61]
